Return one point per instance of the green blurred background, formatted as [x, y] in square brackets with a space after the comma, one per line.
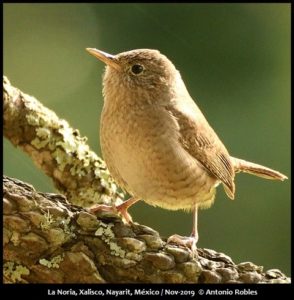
[234, 59]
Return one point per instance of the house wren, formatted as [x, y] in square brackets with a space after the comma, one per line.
[156, 142]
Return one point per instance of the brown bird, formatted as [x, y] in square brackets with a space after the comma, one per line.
[157, 144]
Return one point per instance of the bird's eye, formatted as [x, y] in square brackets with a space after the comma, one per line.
[137, 69]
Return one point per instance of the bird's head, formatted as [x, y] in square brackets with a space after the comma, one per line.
[137, 71]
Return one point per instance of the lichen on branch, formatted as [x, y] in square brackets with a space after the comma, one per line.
[57, 149]
[48, 240]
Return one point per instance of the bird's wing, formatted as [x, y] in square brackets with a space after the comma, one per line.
[201, 142]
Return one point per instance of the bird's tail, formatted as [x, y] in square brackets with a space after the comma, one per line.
[241, 165]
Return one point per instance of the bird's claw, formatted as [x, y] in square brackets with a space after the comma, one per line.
[119, 209]
[184, 241]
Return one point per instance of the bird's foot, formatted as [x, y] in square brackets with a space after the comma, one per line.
[116, 209]
[121, 209]
[189, 242]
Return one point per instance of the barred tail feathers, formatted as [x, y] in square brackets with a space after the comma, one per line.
[241, 165]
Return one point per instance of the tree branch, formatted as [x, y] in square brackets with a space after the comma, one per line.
[48, 239]
[57, 149]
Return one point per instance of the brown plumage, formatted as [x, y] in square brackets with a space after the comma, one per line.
[156, 142]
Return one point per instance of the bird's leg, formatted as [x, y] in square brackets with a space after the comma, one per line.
[194, 235]
[122, 208]
[191, 241]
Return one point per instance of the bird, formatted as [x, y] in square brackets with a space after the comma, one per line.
[156, 142]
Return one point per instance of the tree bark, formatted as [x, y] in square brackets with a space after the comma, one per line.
[57, 149]
[49, 239]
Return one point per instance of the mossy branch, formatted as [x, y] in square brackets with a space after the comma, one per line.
[57, 149]
[48, 239]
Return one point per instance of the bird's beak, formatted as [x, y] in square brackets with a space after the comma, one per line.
[108, 59]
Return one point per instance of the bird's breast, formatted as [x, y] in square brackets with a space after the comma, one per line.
[141, 148]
